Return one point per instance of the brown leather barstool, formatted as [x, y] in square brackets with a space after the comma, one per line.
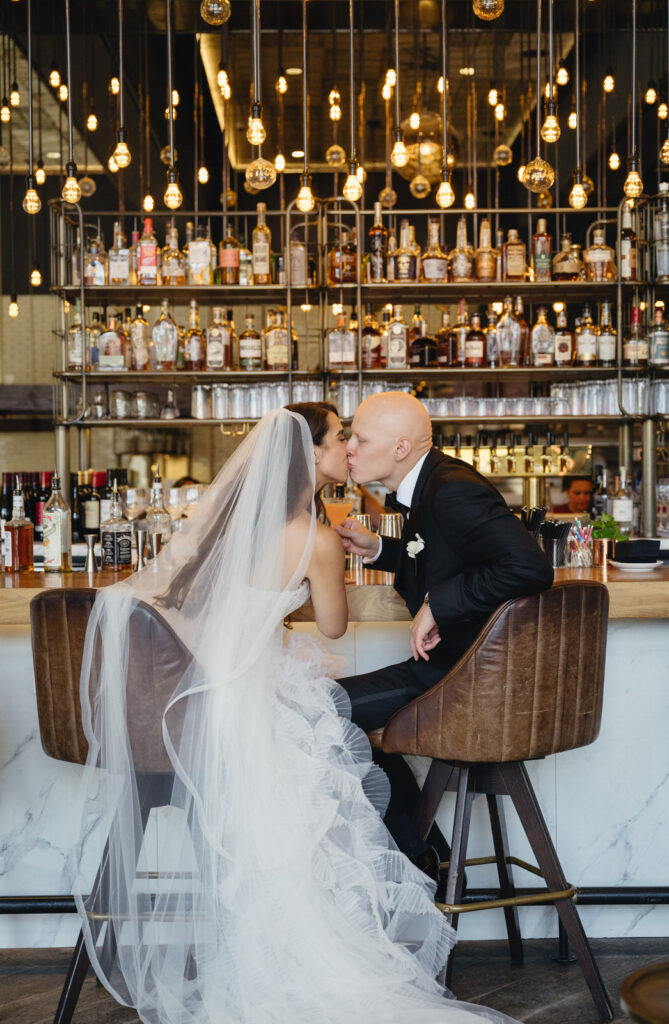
[530, 685]
[58, 620]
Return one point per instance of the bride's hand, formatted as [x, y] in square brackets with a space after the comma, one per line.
[357, 539]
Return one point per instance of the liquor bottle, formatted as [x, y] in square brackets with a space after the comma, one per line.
[509, 336]
[378, 244]
[250, 346]
[661, 236]
[385, 320]
[173, 264]
[43, 495]
[606, 338]
[119, 258]
[567, 263]
[57, 531]
[75, 262]
[658, 339]
[475, 344]
[262, 247]
[116, 535]
[485, 258]
[461, 331]
[397, 340]
[542, 341]
[524, 354]
[445, 339]
[542, 243]
[134, 258]
[5, 509]
[147, 265]
[513, 257]
[198, 263]
[77, 535]
[93, 341]
[499, 256]
[564, 341]
[341, 346]
[405, 256]
[461, 258]
[601, 499]
[140, 341]
[586, 339]
[341, 263]
[19, 533]
[219, 343]
[245, 262]
[276, 349]
[91, 504]
[599, 259]
[95, 263]
[228, 257]
[415, 327]
[434, 262]
[75, 342]
[195, 347]
[112, 346]
[416, 250]
[299, 263]
[622, 504]
[628, 247]
[390, 258]
[157, 517]
[372, 358]
[423, 348]
[165, 337]
[491, 343]
[635, 345]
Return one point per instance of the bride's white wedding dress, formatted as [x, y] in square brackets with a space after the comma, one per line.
[285, 900]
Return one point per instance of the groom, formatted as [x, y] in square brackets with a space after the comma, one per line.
[462, 553]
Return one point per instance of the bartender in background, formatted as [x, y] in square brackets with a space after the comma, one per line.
[577, 494]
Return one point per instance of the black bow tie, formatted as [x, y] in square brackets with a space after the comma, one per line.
[395, 505]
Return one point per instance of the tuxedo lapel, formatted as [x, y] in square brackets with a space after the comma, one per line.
[409, 574]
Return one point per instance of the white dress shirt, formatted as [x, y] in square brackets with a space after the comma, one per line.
[404, 496]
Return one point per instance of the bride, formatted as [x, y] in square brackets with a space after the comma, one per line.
[271, 892]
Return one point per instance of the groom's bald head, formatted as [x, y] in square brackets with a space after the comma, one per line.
[391, 431]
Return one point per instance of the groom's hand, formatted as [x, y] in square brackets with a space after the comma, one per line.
[357, 539]
[423, 634]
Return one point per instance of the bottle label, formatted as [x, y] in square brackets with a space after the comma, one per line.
[228, 258]
[116, 548]
[194, 348]
[635, 350]
[460, 344]
[17, 507]
[250, 347]
[105, 509]
[622, 510]
[171, 271]
[139, 335]
[542, 266]
[260, 257]
[199, 260]
[543, 358]
[405, 266]
[298, 264]
[75, 353]
[662, 259]
[461, 266]
[119, 267]
[92, 515]
[586, 346]
[515, 261]
[214, 349]
[397, 346]
[148, 260]
[606, 349]
[627, 259]
[563, 351]
[277, 349]
[659, 352]
[95, 272]
[473, 349]
[349, 343]
[377, 262]
[56, 538]
[435, 268]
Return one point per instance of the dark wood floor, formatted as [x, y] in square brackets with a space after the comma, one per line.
[539, 992]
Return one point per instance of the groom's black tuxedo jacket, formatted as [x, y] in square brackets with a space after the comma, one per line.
[477, 554]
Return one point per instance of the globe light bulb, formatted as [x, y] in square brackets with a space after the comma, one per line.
[662, 111]
[391, 77]
[31, 201]
[122, 154]
[335, 155]
[500, 112]
[87, 186]
[35, 277]
[502, 155]
[578, 196]
[223, 80]
[562, 76]
[387, 91]
[279, 162]
[609, 82]
[470, 201]
[112, 165]
[63, 92]
[664, 152]
[203, 174]
[14, 95]
[633, 186]
[172, 197]
[352, 186]
[40, 173]
[176, 99]
[260, 173]
[414, 120]
[215, 12]
[334, 95]
[54, 77]
[493, 96]
[488, 10]
[13, 308]
[521, 173]
[419, 186]
[571, 120]
[388, 197]
[255, 132]
[399, 156]
[282, 84]
[335, 112]
[614, 161]
[305, 201]
[71, 192]
[148, 203]
[92, 122]
[538, 175]
[114, 85]
[5, 112]
[445, 194]
[651, 94]
[550, 129]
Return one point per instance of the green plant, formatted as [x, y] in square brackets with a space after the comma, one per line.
[606, 528]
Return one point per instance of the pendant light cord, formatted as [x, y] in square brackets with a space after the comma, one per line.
[30, 88]
[69, 80]
[351, 79]
[634, 3]
[577, 40]
[397, 64]
[256, 52]
[168, 11]
[304, 83]
[539, 77]
[443, 81]
[120, 63]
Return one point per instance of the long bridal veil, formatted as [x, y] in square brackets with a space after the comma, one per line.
[246, 875]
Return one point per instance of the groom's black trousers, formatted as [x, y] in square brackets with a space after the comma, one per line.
[375, 696]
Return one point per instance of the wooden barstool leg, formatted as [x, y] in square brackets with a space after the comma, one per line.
[455, 882]
[501, 843]
[524, 799]
[74, 979]
[435, 784]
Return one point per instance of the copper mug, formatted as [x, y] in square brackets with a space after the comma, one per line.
[603, 548]
[390, 524]
[355, 562]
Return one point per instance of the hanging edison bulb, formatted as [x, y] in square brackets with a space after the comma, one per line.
[14, 95]
[500, 111]
[5, 111]
[305, 201]
[571, 120]
[664, 152]
[260, 173]
[112, 165]
[40, 173]
[148, 203]
[578, 196]
[203, 174]
[388, 196]
[488, 10]
[167, 113]
[281, 84]
[13, 308]
[562, 75]
[35, 276]
[172, 197]
[651, 94]
[414, 120]
[538, 175]
[391, 77]
[521, 173]
[545, 200]
[440, 85]
[87, 186]
[255, 132]
[352, 186]
[445, 195]
[223, 81]
[614, 161]
[609, 82]
[279, 162]
[54, 76]
[334, 96]
[503, 155]
[230, 198]
[63, 92]
[215, 12]
[633, 186]
[450, 158]
[493, 96]
[550, 129]
[662, 111]
[419, 186]
[92, 121]
[122, 154]
[588, 184]
[335, 112]
[386, 91]
[166, 156]
[470, 201]
[114, 85]
[399, 156]
[32, 203]
[335, 155]
[71, 192]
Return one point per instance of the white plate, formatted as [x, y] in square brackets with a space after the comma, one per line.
[635, 566]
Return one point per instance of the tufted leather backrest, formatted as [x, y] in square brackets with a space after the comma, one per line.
[530, 685]
[158, 660]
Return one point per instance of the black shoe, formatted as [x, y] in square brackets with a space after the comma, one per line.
[428, 862]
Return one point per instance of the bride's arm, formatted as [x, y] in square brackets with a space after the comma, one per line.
[326, 582]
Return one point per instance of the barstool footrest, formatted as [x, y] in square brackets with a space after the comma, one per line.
[508, 901]
[476, 861]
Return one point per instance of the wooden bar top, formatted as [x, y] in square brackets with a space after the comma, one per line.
[371, 598]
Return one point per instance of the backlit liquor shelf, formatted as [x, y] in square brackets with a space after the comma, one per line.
[508, 421]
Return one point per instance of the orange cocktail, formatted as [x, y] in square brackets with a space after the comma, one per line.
[338, 509]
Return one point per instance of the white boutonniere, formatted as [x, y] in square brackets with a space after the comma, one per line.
[414, 547]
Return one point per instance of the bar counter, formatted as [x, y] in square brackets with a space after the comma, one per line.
[371, 597]
[604, 804]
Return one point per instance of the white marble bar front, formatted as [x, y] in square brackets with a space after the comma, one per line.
[606, 804]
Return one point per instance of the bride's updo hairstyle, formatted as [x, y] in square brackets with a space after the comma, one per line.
[316, 415]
